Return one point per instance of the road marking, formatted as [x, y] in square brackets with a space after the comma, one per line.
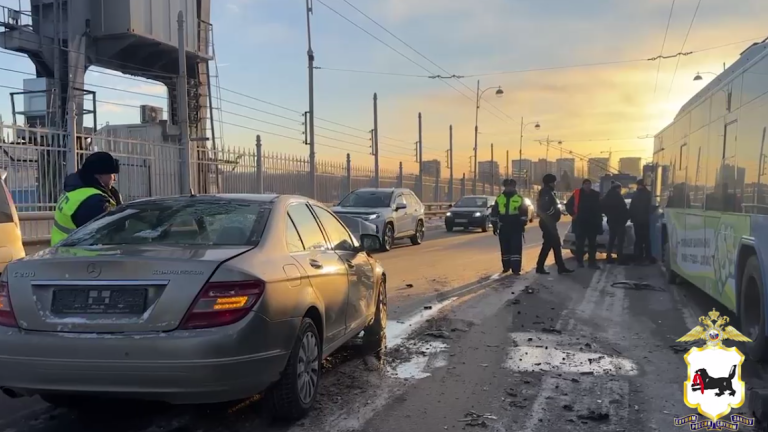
[547, 353]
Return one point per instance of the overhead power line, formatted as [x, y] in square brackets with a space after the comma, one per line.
[688, 33]
[399, 52]
[574, 66]
[661, 51]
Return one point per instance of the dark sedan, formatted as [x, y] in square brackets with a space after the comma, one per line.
[470, 212]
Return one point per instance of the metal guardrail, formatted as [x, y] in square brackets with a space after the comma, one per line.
[36, 226]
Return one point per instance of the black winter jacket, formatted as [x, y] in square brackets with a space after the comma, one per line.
[640, 207]
[547, 209]
[588, 217]
[615, 208]
[93, 206]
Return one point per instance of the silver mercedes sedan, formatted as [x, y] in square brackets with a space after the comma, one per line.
[193, 299]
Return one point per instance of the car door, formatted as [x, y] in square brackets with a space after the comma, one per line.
[403, 217]
[327, 271]
[415, 207]
[360, 301]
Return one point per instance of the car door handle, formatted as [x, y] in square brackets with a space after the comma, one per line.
[315, 264]
[350, 264]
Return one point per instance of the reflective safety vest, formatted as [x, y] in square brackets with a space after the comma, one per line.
[66, 207]
[576, 195]
[509, 206]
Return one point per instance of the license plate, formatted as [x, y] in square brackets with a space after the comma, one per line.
[99, 301]
[461, 220]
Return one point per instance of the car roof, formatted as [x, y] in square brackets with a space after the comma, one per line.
[245, 197]
[382, 190]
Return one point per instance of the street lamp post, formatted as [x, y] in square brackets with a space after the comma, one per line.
[522, 128]
[698, 76]
[499, 93]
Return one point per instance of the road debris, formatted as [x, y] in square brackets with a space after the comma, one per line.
[439, 334]
[427, 307]
[551, 330]
[515, 301]
[636, 285]
[473, 418]
[594, 416]
[568, 407]
[529, 290]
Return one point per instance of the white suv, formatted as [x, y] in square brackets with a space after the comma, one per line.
[396, 213]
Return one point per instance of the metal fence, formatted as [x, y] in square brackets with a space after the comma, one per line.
[37, 164]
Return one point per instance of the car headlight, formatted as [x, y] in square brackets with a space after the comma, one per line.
[448, 213]
[372, 216]
[477, 214]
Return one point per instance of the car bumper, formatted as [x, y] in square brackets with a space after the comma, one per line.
[466, 222]
[200, 366]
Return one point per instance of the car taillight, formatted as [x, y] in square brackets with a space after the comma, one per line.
[223, 303]
[7, 318]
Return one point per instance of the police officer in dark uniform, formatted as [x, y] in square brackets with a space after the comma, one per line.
[509, 217]
[549, 216]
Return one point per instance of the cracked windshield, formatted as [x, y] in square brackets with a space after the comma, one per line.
[377, 216]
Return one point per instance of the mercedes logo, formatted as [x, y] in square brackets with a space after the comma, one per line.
[93, 270]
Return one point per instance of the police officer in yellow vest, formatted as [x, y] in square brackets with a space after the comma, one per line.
[88, 194]
[509, 217]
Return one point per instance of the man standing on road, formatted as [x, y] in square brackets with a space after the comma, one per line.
[88, 194]
[584, 207]
[549, 216]
[615, 209]
[509, 217]
[640, 215]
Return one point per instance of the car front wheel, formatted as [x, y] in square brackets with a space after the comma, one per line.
[751, 311]
[292, 397]
[418, 238]
[375, 334]
[388, 239]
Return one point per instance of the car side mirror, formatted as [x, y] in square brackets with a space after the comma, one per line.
[401, 206]
[370, 242]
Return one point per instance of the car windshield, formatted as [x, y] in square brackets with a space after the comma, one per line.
[472, 202]
[176, 221]
[369, 199]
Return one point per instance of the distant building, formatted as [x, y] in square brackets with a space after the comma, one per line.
[541, 168]
[488, 172]
[431, 168]
[597, 167]
[631, 165]
[522, 169]
[565, 165]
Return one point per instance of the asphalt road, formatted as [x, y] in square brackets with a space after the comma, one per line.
[537, 353]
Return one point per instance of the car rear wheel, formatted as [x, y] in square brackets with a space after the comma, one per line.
[375, 334]
[292, 397]
[388, 239]
[418, 238]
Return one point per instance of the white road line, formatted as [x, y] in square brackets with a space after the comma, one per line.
[539, 408]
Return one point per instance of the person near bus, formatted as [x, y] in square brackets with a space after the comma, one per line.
[615, 210]
[584, 207]
[509, 217]
[640, 214]
[88, 194]
[549, 215]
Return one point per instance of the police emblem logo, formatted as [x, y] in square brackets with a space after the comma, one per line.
[714, 385]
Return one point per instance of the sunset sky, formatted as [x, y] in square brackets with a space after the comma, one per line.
[261, 49]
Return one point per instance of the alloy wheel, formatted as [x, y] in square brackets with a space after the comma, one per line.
[307, 367]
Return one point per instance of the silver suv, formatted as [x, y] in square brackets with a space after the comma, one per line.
[396, 213]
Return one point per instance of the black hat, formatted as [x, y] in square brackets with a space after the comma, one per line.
[509, 182]
[586, 180]
[549, 179]
[640, 182]
[100, 163]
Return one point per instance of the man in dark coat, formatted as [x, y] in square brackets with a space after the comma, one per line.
[584, 207]
[640, 215]
[509, 216]
[549, 216]
[615, 209]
